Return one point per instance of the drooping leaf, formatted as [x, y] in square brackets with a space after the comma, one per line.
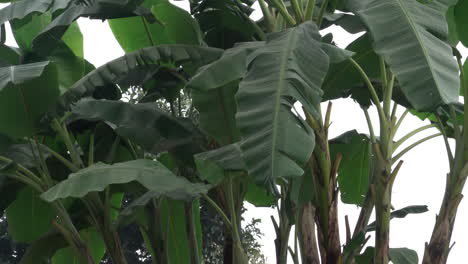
[355, 166]
[151, 174]
[20, 88]
[21, 9]
[402, 213]
[336, 55]
[26, 154]
[403, 256]
[302, 189]
[423, 63]
[98, 9]
[136, 68]
[28, 216]
[174, 25]
[276, 142]
[137, 121]
[350, 23]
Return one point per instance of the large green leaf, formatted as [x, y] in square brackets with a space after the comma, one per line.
[423, 62]
[174, 25]
[290, 67]
[136, 68]
[461, 20]
[28, 216]
[137, 121]
[403, 256]
[151, 174]
[9, 55]
[98, 9]
[26, 93]
[354, 171]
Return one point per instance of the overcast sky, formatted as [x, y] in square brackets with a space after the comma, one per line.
[421, 179]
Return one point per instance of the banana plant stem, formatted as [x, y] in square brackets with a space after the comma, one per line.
[411, 134]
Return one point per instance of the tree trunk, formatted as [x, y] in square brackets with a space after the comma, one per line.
[307, 236]
[436, 252]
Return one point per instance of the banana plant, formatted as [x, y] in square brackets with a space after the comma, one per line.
[227, 110]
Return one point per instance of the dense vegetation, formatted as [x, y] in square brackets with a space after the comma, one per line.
[209, 109]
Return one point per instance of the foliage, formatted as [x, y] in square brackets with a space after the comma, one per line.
[150, 157]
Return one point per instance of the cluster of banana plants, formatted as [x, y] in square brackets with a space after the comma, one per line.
[72, 146]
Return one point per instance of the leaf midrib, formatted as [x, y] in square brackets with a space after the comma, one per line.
[421, 43]
[292, 38]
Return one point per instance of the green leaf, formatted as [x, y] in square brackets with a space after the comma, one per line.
[93, 241]
[24, 155]
[336, 55]
[173, 226]
[217, 109]
[403, 256]
[21, 9]
[302, 189]
[422, 63]
[212, 164]
[74, 39]
[26, 29]
[355, 166]
[461, 21]
[137, 121]
[20, 88]
[344, 80]
[174, 25]
[28, 216]
[136, 68]
[151, 174]
[401, 213]
[9, 55]
[41, 250]
[367, 257]
[276, 142]
[452, 27]
[98, 9]
[231, 67]
[258, 196]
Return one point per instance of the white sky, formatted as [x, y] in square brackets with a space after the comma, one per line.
[421, 179]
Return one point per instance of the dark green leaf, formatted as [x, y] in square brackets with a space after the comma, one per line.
[136, 68]
[20, 88]
[93, 240]
[367, 257]
[151, 174]
[28, 216]
[231, 67]
[98, 9]
[137, 121]
[354, 170]
[402, 213]
[41, 250]
[423, 62]
[461, 21]
[217, 109]
[403, 256]
[174, 25]
[276, 142]
[258, 196]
